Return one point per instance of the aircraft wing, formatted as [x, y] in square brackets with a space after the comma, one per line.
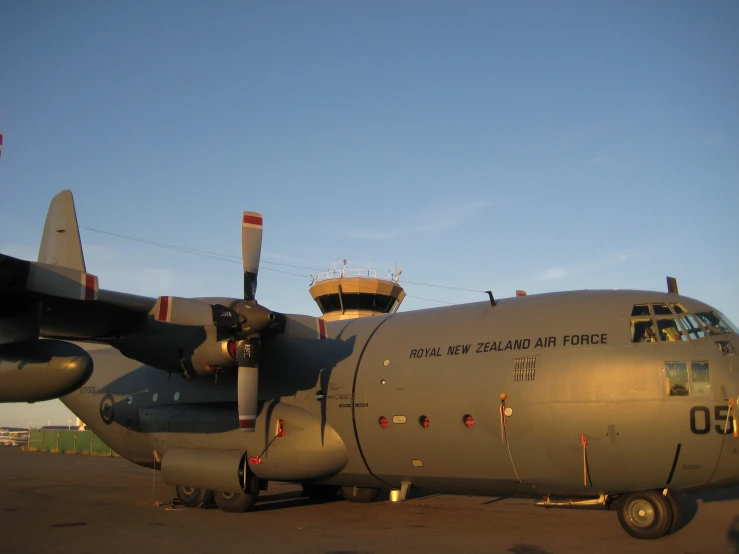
[38, 299]
[55, 297]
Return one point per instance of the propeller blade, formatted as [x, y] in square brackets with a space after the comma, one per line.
[186, 311]
[248, 383]
[251, 251]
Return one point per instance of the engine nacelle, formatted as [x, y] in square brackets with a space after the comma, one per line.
[190, 350]
[302, 447]
[218, 470]
[40, 370]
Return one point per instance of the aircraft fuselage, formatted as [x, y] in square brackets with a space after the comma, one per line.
[540, 395]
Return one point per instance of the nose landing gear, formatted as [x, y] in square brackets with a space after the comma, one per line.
[649, 514]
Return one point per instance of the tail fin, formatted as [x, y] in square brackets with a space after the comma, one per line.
[60, 243]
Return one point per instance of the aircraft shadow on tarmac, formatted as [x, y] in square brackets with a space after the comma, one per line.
[294, 499]
[719, 495]
[733, 533]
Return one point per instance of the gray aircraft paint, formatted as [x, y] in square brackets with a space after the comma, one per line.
[594, 390]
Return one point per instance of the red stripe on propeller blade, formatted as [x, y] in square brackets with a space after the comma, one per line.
[247, 423]
[253, 220]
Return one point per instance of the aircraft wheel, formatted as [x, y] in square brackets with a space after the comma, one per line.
[192, 497]
[677, 511]
[235, 501]
[320, 492]
[239, 501]
[645, 514]
[360, 494]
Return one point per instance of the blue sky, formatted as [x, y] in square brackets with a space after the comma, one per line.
[483, 145]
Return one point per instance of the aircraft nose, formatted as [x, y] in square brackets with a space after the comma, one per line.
[727, 468]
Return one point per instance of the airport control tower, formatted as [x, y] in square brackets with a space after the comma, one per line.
[348, 293]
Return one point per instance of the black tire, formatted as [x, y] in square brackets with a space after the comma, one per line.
[677, 511]
[242, 501]
[645, 514]
[235, 502]
[192, 497]
[322, 493]
[360, 494]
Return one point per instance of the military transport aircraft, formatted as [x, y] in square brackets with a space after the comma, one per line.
[604, 398]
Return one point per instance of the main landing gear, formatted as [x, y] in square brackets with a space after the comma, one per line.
[243, 501]
[649, 514]
[192, 497]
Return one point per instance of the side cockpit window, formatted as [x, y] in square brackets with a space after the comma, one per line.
[700, 385]
[687, 379]
[676, 379]
[713, 323]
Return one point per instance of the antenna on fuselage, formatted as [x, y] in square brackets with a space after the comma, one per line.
[672, 285]
[492, 300]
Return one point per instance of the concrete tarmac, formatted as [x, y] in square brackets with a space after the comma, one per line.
[71, 503]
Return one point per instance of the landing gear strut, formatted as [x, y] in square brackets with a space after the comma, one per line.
[646, 514]
[360, 494]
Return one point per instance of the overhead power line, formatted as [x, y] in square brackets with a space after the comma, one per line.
[237, 260]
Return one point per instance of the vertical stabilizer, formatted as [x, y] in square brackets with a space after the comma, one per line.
[60, 243]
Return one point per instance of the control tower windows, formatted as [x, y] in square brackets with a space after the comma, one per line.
[357, 301]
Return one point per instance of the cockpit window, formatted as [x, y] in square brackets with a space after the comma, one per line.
[728, 323]
[661, 309]
[642, 330]
[713, 323]
[678, 308]
[676, 378]
[700, 385]
[640, 309]
[669, 330]
[691, 326]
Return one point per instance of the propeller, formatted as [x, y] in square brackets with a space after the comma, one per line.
[247, 350]
[242, 321]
